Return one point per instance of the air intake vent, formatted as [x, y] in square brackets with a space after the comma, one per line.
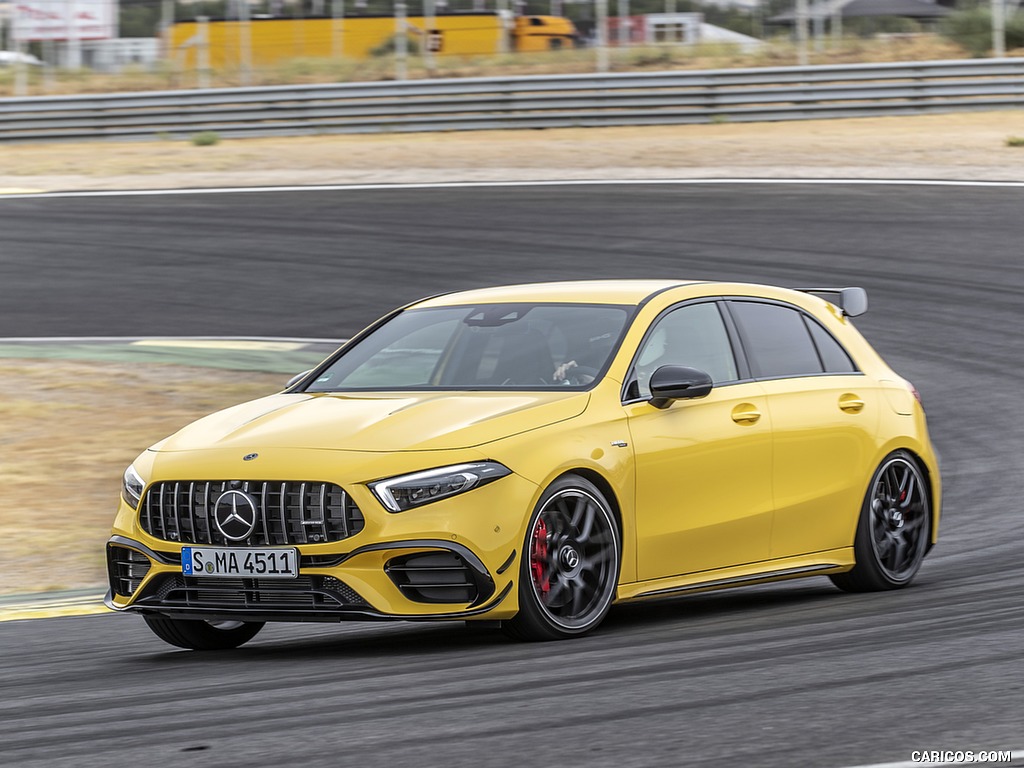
[302, 593]
[126, 569]
[434, 577]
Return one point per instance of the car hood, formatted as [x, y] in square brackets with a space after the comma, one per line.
[428, 421]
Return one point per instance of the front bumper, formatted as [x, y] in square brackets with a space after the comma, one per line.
[453, 559]
[156, 585]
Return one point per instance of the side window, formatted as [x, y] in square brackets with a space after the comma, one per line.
[693, 335]
[832, 354]
[776, 340]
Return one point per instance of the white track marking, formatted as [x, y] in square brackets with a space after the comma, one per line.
[262, 346]
[498, 184]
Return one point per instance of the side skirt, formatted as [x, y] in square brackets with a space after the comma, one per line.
[820, 564]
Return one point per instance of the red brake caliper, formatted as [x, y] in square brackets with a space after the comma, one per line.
[539, 556]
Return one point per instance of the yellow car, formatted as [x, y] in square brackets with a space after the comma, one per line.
[529, 455]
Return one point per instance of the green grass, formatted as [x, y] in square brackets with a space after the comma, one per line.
[206, 138]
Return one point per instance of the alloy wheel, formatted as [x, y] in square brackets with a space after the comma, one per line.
[573, 558]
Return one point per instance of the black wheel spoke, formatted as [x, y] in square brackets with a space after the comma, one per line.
[577, 513]
[579, 597]
[589, 514]
[899, 553]
[911, 525]
[884, 547]
[877, 511]
[594, 561]
[907, 493]
[557, 588]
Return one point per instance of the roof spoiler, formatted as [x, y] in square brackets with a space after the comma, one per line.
[852, 301]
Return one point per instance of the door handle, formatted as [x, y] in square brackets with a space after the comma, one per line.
[851, 403]
[745, 413]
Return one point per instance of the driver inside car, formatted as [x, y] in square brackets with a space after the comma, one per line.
[590, 361]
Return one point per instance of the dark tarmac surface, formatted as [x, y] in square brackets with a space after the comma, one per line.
[794, 674]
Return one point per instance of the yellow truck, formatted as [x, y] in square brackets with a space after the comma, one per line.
[272, 40]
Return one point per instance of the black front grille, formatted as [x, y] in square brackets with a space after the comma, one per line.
[300, 593]
[126, 568]
[434, 577]
[285, 512]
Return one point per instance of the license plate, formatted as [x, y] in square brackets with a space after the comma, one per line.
[219, 561]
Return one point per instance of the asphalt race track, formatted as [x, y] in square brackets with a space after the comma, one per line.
[795, 674]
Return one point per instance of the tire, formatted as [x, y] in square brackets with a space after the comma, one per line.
[199, 635]
[569, 570]
[893, 529]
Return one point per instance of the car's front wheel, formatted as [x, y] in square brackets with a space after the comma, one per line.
[199, 635]
[892, 533]
[569, 570]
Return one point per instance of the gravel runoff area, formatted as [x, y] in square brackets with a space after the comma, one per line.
[67, 419]
[969, 146]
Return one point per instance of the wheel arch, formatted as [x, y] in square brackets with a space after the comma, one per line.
[930, 487]
[923, 455]
[603, 486]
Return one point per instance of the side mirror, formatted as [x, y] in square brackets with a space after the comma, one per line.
[296, 379]
[674, 382]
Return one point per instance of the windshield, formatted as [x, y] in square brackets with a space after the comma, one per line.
[491, 346]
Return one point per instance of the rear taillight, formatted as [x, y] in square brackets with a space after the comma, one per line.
[915, 393]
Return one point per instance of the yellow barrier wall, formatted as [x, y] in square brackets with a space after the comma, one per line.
[275, 40]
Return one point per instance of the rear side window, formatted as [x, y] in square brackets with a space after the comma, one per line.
[776, 340]
[833, 356]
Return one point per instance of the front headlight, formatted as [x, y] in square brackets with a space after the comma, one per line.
[398, 494]
[131, 487]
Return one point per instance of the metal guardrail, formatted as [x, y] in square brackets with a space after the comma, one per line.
[553, 101]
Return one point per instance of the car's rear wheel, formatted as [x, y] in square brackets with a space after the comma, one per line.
[892, 533]
[201, 635]
[569, 570]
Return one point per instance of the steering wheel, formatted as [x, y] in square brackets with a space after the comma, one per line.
[580, 375]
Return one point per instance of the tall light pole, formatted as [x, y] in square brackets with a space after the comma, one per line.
[602, 34]
[20, 68]
[337, 28]
[74, 44]
[203, 53]
[427, 37]
[504, 26]
[401, 42]
[819, 29]
[245, 40]
[999, 28]
[166, 23]
[624, 23]
[801, 32]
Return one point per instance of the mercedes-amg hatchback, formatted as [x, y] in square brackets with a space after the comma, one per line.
[530, 455]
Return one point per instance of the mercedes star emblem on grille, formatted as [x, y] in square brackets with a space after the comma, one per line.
[235, 515]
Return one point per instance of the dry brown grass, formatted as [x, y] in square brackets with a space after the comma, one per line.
[779, 52]
[964, 146]
[69, 430]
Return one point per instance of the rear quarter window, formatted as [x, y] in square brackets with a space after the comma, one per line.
[833, 356]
